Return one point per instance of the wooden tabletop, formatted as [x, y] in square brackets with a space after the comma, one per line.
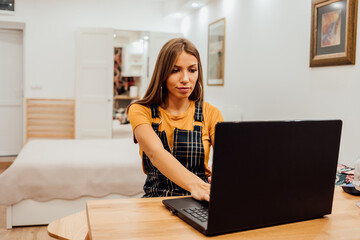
[149, 219]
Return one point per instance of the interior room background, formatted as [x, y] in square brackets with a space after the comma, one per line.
[267, 47]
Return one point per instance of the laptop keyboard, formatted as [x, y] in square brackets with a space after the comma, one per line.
[198, 213]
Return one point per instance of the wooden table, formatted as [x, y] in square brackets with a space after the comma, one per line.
[149, 219]
[73, 227]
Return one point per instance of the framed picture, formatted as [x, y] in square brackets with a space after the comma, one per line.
[333, 32]
[7, 7]
[216, 53]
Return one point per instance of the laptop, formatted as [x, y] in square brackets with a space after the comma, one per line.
[264, 174]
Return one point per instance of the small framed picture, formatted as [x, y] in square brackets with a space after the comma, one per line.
[7, 7]
[333, 32]
[216, 53]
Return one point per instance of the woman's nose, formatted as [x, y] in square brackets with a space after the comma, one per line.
[185, 77]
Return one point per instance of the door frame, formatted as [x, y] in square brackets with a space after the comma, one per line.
[19, 26]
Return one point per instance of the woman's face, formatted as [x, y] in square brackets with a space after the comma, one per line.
[183, 77]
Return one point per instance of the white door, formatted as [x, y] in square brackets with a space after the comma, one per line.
[11, 91]
[156, 42]
[94, 83]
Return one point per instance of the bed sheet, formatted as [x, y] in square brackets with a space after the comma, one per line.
[71, 168]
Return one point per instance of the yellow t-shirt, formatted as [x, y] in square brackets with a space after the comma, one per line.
[139, 114]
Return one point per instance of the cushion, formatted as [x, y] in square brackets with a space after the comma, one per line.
[344, 175]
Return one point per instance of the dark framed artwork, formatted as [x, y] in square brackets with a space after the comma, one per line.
[7, 7]
[333, 32]
[216, 53]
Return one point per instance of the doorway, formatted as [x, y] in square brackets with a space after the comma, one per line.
[114, 74]
[11, 91]
[130, 76]
[135, 52]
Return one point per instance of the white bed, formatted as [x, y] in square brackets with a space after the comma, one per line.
[53, 178]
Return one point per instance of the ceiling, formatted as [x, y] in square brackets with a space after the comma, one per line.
[181, 8]
[172, 9]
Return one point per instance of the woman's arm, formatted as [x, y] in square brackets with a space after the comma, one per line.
[168, 165]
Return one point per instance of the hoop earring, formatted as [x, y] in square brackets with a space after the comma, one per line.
[200, 90]
[161, 94]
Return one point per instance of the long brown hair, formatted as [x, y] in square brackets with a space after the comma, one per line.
[157, 92]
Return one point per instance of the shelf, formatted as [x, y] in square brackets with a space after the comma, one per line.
[125, 97]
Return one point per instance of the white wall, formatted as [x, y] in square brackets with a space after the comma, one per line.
[50, 33]
[267, 73]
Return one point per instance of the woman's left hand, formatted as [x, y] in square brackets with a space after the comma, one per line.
[201, 191]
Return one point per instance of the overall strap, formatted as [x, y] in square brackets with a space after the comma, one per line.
[198, 116]
[154, 111]
[155, 114]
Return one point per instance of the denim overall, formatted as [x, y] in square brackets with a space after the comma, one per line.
[188, 149]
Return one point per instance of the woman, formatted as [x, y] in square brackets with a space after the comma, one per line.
[173, 126]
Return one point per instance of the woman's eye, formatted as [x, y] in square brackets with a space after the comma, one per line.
[175, 70]
[193, 70]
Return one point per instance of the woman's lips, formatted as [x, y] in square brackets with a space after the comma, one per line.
[184, 89]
